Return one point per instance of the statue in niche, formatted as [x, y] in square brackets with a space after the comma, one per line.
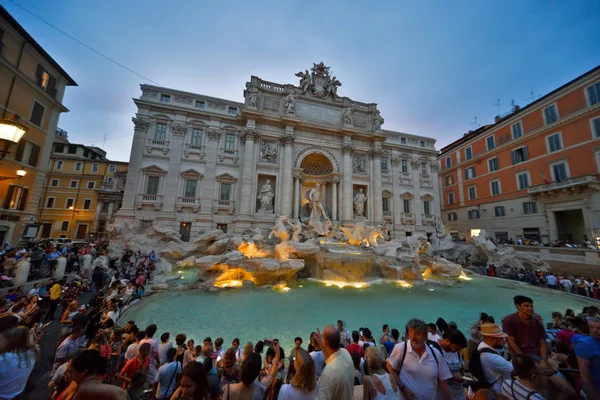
[317, 212]
[252, 96]
[290, 103]
[347, 116]
[359, 164]
[268, 152]
[359, 203]
[377, 121]
[265, 196]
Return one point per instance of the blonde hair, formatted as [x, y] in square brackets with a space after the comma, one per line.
[305, 378]
[248, 349]
[374, 359]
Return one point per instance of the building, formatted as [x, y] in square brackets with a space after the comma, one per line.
[32, 86]
[81, 192]
[531, 174]
[200, 162]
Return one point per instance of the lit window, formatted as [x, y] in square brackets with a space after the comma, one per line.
[70, 203]
[16, 198]
[449, 180]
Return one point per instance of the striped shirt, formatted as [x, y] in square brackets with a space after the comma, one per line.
[514, 390]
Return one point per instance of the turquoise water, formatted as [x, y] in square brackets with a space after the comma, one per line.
[255, 314]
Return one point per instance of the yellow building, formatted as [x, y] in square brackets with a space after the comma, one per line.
[32, 87]
[70, 207]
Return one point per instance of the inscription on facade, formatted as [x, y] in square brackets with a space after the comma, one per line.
[318, 113]
[271, 104]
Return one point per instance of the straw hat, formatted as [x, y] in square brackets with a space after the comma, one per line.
[492, 330]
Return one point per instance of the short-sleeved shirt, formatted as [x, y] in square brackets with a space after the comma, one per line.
[513, 389]
[420, 373]
[495, 368]
[455, 364]
[15, 370]
[167, 379]
[132, 366]
[319, 360]
[355, 348]
[55, 292]
[528, 337]
[162, 352]
[588, 348]
[337, 380]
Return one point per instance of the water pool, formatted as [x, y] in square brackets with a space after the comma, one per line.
[255, 314]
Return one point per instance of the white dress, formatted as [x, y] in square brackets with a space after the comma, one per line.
[389, 392]
[288, 392]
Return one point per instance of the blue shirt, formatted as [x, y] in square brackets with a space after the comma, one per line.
[389, 347]
[588, 348]
[167, 379]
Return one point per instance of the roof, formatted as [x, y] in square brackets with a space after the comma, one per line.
[13, 22]
[481, 130]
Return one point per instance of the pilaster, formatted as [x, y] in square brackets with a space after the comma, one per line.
[286, 199]
[347, 208]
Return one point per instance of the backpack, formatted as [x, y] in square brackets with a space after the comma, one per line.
[404, 356]
[476, 369]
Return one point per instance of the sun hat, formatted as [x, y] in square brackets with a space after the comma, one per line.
[492, 330]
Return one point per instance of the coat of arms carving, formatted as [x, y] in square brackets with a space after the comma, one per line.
[319, 82]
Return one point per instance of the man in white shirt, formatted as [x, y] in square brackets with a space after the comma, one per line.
[551, 281]
[344, 334]
[495, 368]
[421, 369]
[566, 284]
[34, 292]
[337, 380]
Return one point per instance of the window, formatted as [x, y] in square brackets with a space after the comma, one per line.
[469, 173]
[452, 217]
[517, 130]
[404, 166]
[495, 187]
[523, 180]
[493, 164]
[427, 207]
[87, 204]
[529, 207]
[72, 150]
[519, 155]
[385, 204]
[190, 188]
[78, 166]
[232, 111]
[229, 141]
[86, 153]
[70, 203]
[402, 140]
[59, 165]
[91, 185]
[384, 164]
[593, 93]
[449, 180]
[450, 197]
[34, 155]
[64, 227]
[196, 139]
[550, 114]
[44, 80]
[111, 169]
[499, 211]
[225, 191]
[50, 202]
[559, 171]
[73, 184]
[59, 148]
[595, 123]
[554, 142]
[110, 180]
[200, 104]
[54, 182]
[37, 114]
[161, 132]
[424, 171]
[406, 206]
[473, 214]
[468, 153]
[165, 98]
[16, 198]
[490, 143]
[448, 162]
[95, 167]
[422, 143]
[152, 185]
[472, 192]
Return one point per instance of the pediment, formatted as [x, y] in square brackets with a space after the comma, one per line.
[154, 169]
[192, 173]
[226, 178]
[407, 195]
[427, 197]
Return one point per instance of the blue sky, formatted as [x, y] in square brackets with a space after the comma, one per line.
[432, 66]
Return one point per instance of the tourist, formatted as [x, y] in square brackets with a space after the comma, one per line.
[229, 368]
[317, 355]
[135, 390]
[551, 281]
[133, 348]
[303, 385]
[389, 345]
[337, 378]
[238, 350]
[487, 364]
[587, 350]
[141, 362]
[189, 353]
[248, 349]
[354, 347]
[67, 315]
[258, 349]
[249, 387]
[206, 359]
[385, 337]
[526, 383]
[423, 363]
[378, 384]
[432, 333]
[194, 383]
[34, 291]
[566, 284]
[99, 344]
[163, 347]
[166, 378]
[219, 350]
[17, 360]
[344, 334]
[181, 349]
[526, 334]
[115, 352]
[71, 344]
[153, 369]
[451, 345]
[85, 371]
[55, 293]
[368, 338]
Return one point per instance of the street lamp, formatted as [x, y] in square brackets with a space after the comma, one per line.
[20, 173]
[11, 132]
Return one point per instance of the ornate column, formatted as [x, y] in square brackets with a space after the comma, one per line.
[436, 189]
[170, 187]
[208, 183]
[286, 198]
[396, 200]
[297, 195]
[135, 164]
[246, 201]
[334, 200]
[416, 176]
[347, 182]
[377, 200]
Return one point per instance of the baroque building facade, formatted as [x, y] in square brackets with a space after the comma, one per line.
[533, 174]
[199, 162]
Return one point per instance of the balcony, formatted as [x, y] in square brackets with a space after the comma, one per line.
[570, 183]
[428, 219]
[188, 202]
[192, 149]
[155, 200]
[156, 144]
[228, 154]
[227, 205]
[407, 219]
[427, 181]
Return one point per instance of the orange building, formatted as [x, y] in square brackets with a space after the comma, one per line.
[531, 174]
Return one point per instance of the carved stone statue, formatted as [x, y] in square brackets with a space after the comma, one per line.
[359, 203]
[348, 117]
[251, 96]
[305, 81]
[290, 103]
[319, 82]
[296, 231]
[359, 164]
[331, 86]
[265, 196]
[268, 152]
[377, 121]
[280, 230]
[317, 212]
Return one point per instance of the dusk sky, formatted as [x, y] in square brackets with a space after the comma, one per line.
[432, 66]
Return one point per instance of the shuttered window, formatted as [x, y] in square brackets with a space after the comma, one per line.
[34, 155]
[16, 198]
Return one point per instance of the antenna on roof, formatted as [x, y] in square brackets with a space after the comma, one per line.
[497, 103]
[531, 97]
[104, 141]
[474, 124]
